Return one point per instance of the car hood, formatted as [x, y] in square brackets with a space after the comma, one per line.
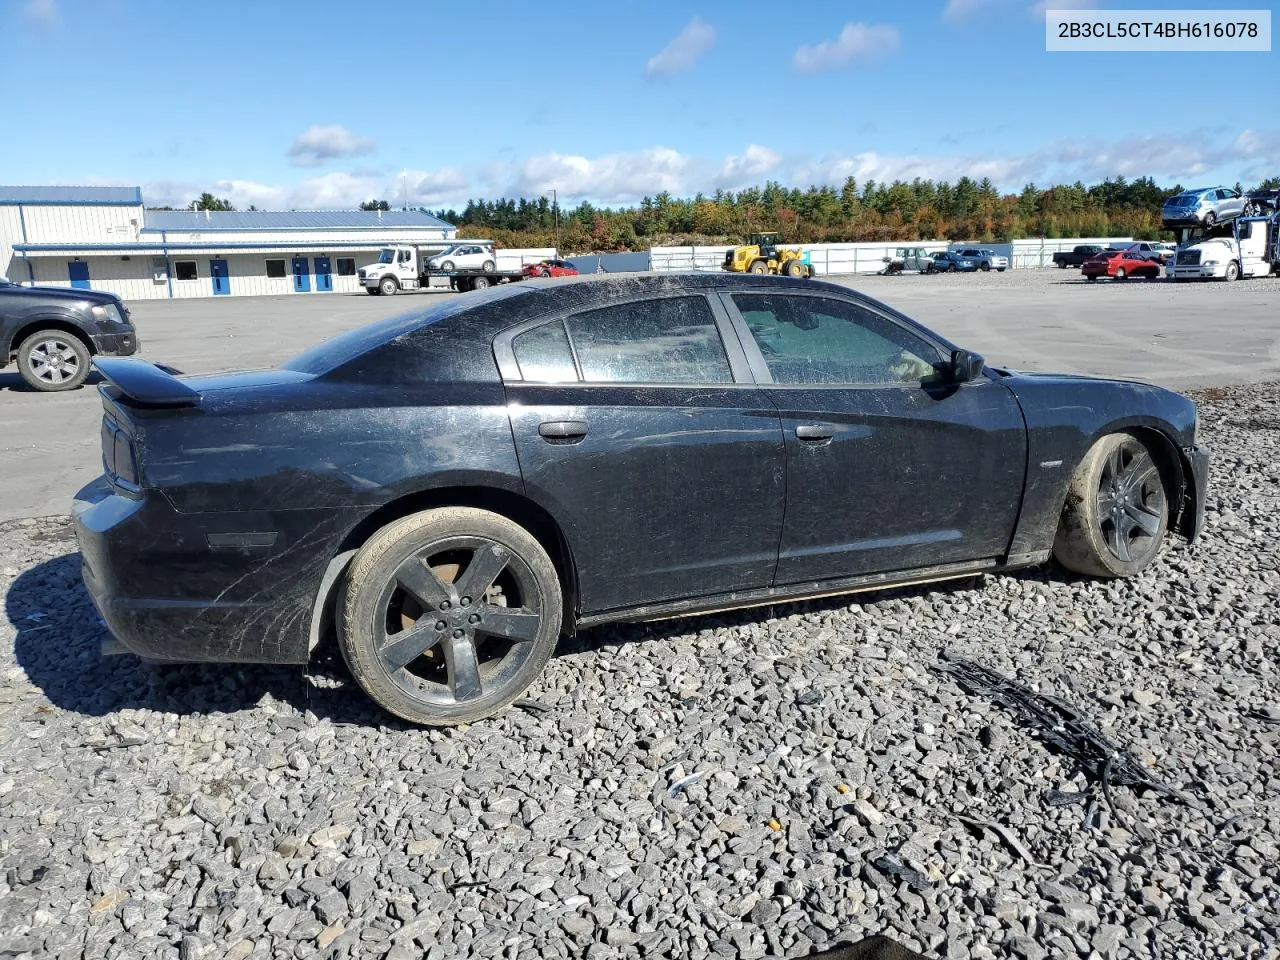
[63, 294]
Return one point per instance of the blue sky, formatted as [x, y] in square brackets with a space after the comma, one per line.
[322, 104]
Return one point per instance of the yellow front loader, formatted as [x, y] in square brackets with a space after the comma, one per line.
[761, 254]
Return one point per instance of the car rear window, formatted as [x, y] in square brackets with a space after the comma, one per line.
[424, 346]
[672, 340]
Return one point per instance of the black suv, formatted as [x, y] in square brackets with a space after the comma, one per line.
[53, 333]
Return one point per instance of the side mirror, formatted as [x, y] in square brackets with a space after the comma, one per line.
[965, 365]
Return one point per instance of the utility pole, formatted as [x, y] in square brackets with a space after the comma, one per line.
[555, 210]
[404, 187]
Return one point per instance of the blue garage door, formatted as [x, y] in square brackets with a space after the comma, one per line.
[221, 281]
[324, 275]
[301, 278]
[78, 271]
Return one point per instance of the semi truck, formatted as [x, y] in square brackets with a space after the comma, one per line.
[466, 264]
[1244, 247]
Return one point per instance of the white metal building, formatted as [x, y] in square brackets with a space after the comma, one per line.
[103, 238]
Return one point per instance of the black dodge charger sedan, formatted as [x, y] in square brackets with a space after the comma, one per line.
[450, 490]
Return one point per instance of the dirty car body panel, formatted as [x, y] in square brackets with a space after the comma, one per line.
[229, 504]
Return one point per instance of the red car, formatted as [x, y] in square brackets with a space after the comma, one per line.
[1120, 264]
[550, 268]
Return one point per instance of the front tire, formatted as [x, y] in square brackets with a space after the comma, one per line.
[447, 266]
[1116, 512]
[449, 615]
[389, 286]
[52, 360]
[1233, 271]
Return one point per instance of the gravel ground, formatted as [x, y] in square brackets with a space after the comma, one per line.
[258, 812]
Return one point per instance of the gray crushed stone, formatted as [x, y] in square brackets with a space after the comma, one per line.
[243, 812]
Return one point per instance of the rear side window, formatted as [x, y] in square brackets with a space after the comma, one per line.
[672, 340]
[544, 356]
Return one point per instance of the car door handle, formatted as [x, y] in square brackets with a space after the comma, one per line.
[562, 431]
[815, 432]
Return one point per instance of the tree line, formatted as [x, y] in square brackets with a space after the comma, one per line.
[923, 209]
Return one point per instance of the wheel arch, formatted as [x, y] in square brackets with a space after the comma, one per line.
[517, 507]
[1175, 468]
[47, 322]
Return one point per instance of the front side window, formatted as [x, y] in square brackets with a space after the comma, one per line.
[543, 354]
[185, 270]
[346, 267]
[672, 340]
[819, 340]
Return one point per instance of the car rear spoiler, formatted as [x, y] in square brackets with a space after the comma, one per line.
[146, 383]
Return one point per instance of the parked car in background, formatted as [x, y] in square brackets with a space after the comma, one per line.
[1203, 207]
[1262, 201]
[1120, 265]
[949, 261]
[1076, 256]
[907, 260]
[53, 333]
[453, 489]
[550, 268]
[465, 256]
[986, 259]
[1153, 250]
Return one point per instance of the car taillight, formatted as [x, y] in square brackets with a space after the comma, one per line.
[119, 458]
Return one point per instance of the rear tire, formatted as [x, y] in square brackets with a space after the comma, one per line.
[53, 360]
[449, 615]
[985, 268]
[759, 268]
[1116, 512]
[480, 283]
[1121, 275]
[488, 266]
[389, 286]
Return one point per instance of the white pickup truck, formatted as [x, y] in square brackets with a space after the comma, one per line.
[1246, 247]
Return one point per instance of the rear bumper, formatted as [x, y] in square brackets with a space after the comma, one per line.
[165, 594]
[1191, 523]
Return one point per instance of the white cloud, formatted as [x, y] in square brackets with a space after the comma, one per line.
[858, 43]
[748, 168]
[684, 50]
[960, 10]
[1193, 157]
[320, 143]
[613, 178]
[43, 15]
[338, 190]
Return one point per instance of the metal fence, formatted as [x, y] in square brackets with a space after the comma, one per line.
[848, 258]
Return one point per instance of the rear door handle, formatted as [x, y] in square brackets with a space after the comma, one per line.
[562, 431]
[815, 432]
